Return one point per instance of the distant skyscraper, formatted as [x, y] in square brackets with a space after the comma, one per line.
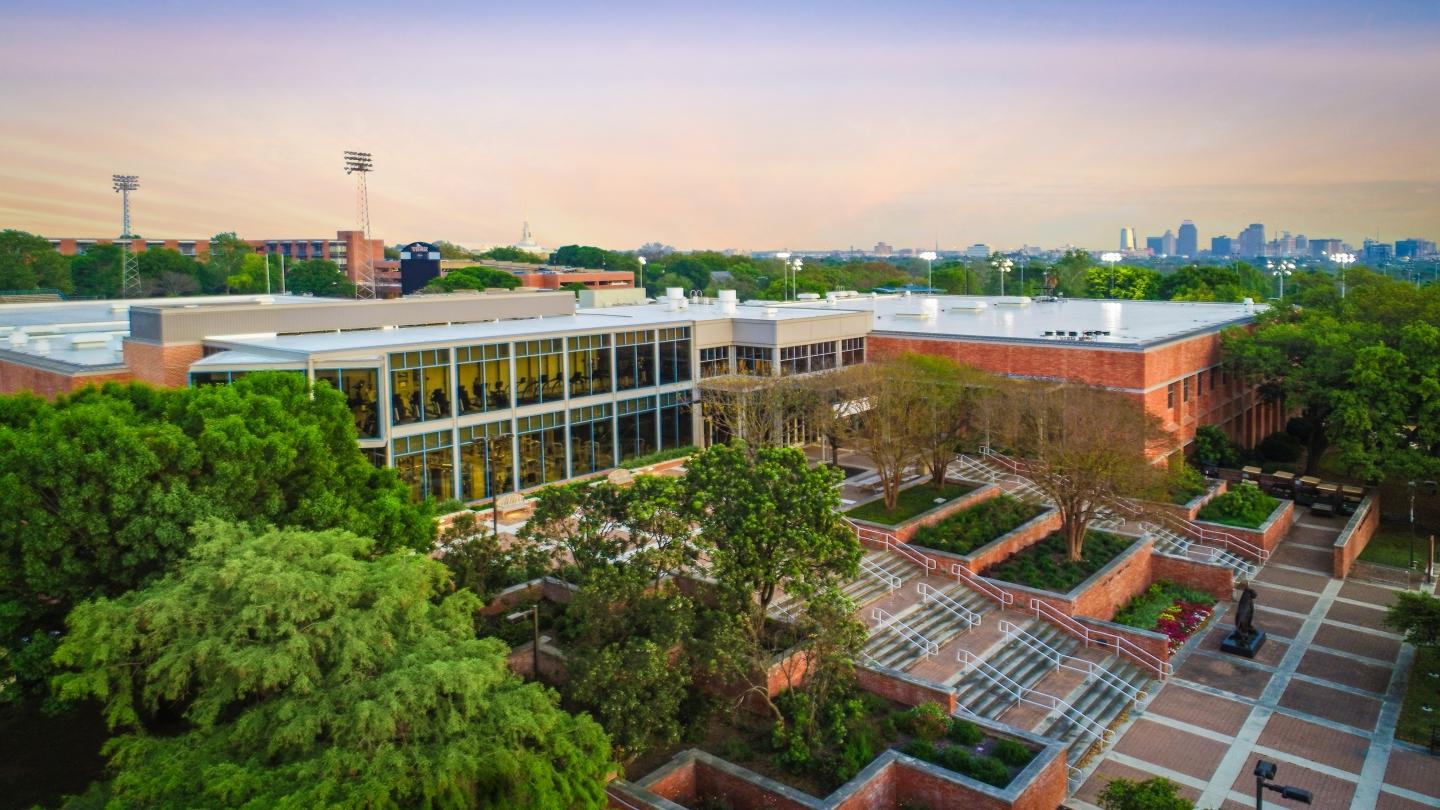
[1414, 248]
[1155, 244]
[979, 250]
[1320, 248]
[1252, 241]
[883, 249]
[1127, 238]
[1377, 251]
[1302, 245]
[1222, 247]
[1188, 243]
[1167, 244]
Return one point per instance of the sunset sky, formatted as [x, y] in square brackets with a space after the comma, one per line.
[741, 125]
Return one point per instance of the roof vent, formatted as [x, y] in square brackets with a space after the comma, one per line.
[41, 346]
[770, 312]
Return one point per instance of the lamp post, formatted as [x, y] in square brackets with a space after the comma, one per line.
[1264, 773]
[1002, 266]
[784, 257]
[534, 612]
[1280, 271]
[486, 442]
[1344, 260]
[929, 257]
[1111, 259]
[795, 265]
[641, 259]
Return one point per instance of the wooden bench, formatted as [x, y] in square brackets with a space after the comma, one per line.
[511, 503]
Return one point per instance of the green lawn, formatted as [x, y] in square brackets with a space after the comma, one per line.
[1422, 690]
[1391, 546]
[912, 501]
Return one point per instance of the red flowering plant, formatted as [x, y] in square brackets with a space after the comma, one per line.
[1182, 620]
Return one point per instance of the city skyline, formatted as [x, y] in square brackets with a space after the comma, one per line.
[750, 128]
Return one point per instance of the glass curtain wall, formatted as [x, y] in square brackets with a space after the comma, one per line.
[539, 371]
[636, 427]
[542, 448]
[485, 449]
[589, 365]
[592, 439]
[360, 387]
[425, 463]
[420, 386]
[675, 355]
[756, 361]
[482, 378]
[676, 428]
[634, 360]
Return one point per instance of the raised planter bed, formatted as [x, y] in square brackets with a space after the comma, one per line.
[1168, 608]
[1125, 573]
[1190, 508]
[916, 507]
[1268, 534]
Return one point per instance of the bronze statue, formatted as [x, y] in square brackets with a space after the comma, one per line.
[1244, 639]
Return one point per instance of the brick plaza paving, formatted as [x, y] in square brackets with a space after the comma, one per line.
[1320, 700]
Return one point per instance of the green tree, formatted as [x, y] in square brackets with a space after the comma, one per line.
[318, 277]
[227, 259]
[1232, 282]
[1071, 274]
[305, 671]
[511, 254]
[479, 562]
[1417, 616]
[1124, 281]
[1158, 793]
[102, 487]
[453, 252]
[579, 256]
[96, 272]
[474, 278]
[29, 262]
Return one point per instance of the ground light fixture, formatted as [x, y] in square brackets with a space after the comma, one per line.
[929, 257]
[1264, 775]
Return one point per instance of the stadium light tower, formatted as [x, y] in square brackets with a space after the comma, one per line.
[1111, 259]
[1344, 260]
[361, 164]
[929, 256]
[129, 265]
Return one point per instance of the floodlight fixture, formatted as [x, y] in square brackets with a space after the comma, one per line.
[358, 162]
[126, 182]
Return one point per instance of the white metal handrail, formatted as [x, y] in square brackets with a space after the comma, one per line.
[886, 578]
[1084, 666]
[910, 634]
[1089, 636]
[982, 585]
[959, 611]
[1023, 694]
[904, 550]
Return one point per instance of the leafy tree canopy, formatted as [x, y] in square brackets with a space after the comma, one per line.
[29, 262]
[1231, 282]
[97, 272]
[450, 250]
[1152, 794]
[473, 278]
[1123, 282]
[308, 672]
[594, 257]
[318, 277]
[512, 254]
[102, 487]
[1417, 615]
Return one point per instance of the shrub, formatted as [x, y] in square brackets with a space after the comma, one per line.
[964, 732]
[1152, 794]
[1046, 564]
[1184, 483]
[1211, 444]
[927, 721]
[735, 750]
[1279, 446]
[957, 759]
[991, 771]
[972, 528]
[1245, 506]
[920, 749]
[1012, 753]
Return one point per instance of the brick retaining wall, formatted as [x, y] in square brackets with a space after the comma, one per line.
[1270, 532]
[902, 688]
[1356, 535]
[1216, 580]
[906, 530]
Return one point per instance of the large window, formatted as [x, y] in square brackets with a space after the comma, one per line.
[589, 365]
[485, 450]
[676, 429]
[542, 448]
[636, 427]
[539, 371]
[209, 378]
[424, 462]
[675, 355]
[592, 439]
[482, 378]
[714, 362]
[852, 351]
[805, 359]
[361, 395]
[634, 360]
[754, 360]
[420, 386]
[822, 356]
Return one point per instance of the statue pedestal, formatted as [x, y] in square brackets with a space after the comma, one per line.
[1235, 644]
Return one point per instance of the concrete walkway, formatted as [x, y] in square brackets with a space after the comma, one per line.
[1321, 700]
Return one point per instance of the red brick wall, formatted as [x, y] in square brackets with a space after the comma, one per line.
[738, 792]
[16, 377]
[1118, 586]
[521, 661]
[1360, 529]
[595, 280]
[161, 365]
[906, 531]
[903, 691]
[1267, 539]
[1155, 644]
[1023, 537]
[1216, 580]
[678, 785]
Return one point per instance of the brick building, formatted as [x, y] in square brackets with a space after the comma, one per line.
[346, 249]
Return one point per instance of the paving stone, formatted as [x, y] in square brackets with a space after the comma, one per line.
[1109, 769]
[1172, 748]
[1345, 671]
[1373, 618]
[1331, 704]
[1224, 674]
[1358, 642]
[1199, 709]
[1315, 742]
[1314, 583]
[1277, 624]
[1389, 801]
[1284, 600]
[1373, 594]
[1413, 771]
[1304, 557]
[1329, 791]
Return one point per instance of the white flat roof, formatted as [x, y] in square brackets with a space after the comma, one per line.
[991, 317]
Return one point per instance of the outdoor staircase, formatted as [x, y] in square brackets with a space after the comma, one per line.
[934, 620]
[1019, 663]
[1100, 700]
[877, 575]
